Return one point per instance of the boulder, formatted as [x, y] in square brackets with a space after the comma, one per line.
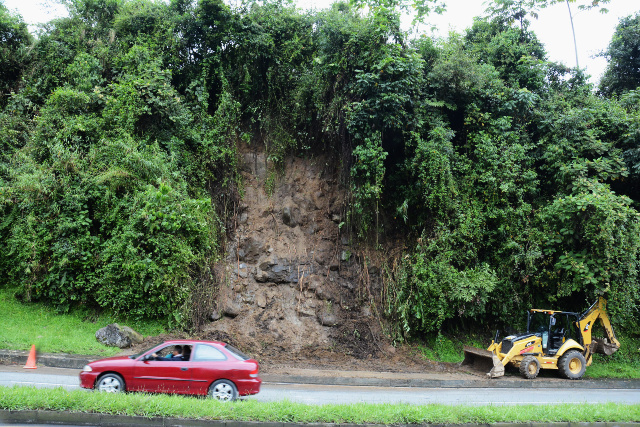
[312, 229]
[291, 216]
[243, 218]
[329, 316]
[287, 217]
[328, 319]
[241, 271]
[313, 282]
[261, 300]
[135, 337]
[215, 315]
[276, 270]
[232, 309]
[250, 250]
[113, 336]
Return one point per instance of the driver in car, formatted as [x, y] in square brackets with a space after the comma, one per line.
[175, 355]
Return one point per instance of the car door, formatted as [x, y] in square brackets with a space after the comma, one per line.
[208, 363]
[161, 376]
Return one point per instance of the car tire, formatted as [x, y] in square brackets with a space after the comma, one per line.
[223, 391]
[572, 365]
[529, 367]
[110, 383]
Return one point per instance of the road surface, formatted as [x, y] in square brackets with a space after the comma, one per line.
[325, 394]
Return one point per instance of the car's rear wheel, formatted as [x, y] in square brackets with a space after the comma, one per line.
[110, 383]
[223, 390]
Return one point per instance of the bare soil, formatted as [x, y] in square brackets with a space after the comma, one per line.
[293, 290]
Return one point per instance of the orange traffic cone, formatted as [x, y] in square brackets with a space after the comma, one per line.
[31, 361]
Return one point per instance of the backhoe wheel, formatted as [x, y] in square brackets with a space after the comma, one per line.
[529, 367]
[572, 365]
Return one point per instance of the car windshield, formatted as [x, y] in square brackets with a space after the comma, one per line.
[236, 353]
[135, 356]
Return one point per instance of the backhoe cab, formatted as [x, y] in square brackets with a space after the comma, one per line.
[554, 340]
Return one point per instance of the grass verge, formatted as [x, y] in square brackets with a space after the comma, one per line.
[26, 324]
[146, 405]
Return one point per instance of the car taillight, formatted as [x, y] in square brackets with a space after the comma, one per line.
[254, 373]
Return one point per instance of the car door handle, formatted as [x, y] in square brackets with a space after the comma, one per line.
[184, 369]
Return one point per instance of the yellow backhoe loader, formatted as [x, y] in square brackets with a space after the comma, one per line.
[554, 340]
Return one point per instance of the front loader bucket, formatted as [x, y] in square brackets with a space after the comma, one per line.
[603, 346]
[483, 361]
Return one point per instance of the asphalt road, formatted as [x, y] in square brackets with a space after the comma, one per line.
[324, 394]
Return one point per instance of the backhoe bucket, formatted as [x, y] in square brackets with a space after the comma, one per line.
[603, 346]
[483, 361]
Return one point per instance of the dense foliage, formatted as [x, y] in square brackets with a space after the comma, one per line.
[512, 183]
[623, 55]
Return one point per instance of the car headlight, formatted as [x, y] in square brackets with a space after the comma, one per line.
[87, 368]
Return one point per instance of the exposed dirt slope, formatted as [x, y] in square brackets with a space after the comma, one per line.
[293, 291]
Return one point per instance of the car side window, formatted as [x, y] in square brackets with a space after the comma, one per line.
[207, 353]
[164, 352]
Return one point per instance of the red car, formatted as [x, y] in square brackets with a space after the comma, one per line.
[204, 367]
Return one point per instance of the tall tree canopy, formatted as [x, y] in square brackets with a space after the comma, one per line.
[508, 181]
[623, 56]
[14, 43]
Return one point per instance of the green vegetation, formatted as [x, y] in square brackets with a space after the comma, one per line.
[27, 324]
[623, 55]
[511, 182]
[23, 398]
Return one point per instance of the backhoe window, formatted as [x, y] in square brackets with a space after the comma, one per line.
[567, 326]
[538, 323]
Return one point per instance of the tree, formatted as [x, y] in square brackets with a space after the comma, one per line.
[516, 53]
[517, 10]
[623, 71]
[14, 41]
[421, 8]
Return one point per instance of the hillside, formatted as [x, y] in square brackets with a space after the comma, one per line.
[314, 180]
[293, 291]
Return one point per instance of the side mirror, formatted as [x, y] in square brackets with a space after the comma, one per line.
[147, 357]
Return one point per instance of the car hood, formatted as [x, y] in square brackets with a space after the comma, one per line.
[111, 359]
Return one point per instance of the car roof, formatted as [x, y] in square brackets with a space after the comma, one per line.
[183, 342]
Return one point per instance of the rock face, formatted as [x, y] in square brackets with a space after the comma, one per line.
[291, 274]
[114, 335]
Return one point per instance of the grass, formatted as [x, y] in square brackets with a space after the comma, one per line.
[26, 324]
[146, 405]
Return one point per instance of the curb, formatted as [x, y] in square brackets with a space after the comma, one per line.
[107, 420]
[53, 360]
[471, 383]
[73, 361]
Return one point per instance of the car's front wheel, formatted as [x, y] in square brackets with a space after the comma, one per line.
[223, 390]
[110, 383]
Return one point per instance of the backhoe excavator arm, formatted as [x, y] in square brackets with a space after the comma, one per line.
[585, 323]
